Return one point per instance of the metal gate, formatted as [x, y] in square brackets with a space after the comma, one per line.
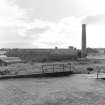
[51, 68]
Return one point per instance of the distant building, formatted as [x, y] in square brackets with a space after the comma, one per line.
[2, 54]
[100, 50]
[64, 51]
[4, 61]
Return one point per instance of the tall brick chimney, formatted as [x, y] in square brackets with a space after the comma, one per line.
[83, 49]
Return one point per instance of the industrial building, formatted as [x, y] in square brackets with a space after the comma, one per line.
[35, 55]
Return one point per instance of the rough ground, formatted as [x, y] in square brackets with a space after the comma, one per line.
[79, 89]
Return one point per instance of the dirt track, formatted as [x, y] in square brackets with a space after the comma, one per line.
[73, 90]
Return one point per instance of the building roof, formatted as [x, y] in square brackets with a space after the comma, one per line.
[11, 59]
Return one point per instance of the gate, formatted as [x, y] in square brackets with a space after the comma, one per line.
[52, 68]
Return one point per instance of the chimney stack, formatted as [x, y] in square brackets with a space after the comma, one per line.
[83, 50]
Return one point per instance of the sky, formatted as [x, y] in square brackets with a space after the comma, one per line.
[50, 23]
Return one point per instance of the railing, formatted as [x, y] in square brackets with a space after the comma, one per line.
[47, 68]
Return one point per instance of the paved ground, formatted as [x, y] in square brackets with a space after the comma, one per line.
[80, 89]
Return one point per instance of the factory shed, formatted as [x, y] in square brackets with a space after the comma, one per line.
[4, 61]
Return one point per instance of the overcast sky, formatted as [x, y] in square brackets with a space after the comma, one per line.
[50, 23]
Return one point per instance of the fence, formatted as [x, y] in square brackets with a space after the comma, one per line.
[100, 71]
[56, 68]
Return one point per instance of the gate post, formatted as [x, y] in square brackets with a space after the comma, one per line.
[98, 71]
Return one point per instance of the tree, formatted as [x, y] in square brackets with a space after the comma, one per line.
[89, 69]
